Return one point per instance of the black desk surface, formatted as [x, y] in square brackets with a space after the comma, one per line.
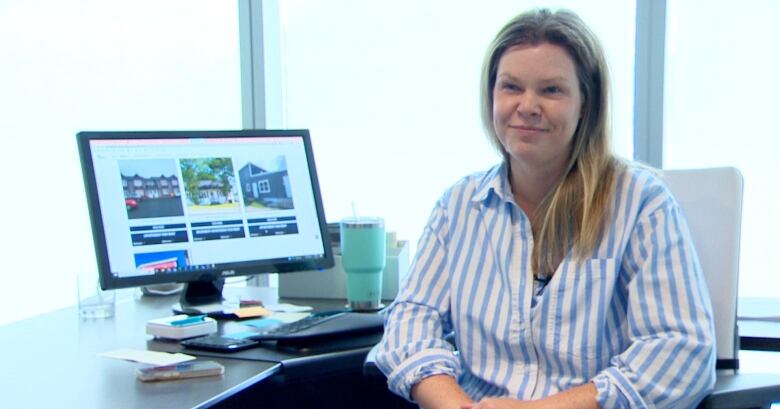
[51, 361]
[759, 324]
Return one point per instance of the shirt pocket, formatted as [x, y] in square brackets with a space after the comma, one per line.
[579, 307]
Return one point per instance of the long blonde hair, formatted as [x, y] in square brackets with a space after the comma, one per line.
[573, 214]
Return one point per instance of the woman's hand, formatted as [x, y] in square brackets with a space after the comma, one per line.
[440, 392]
[579, 397]
[502, 403]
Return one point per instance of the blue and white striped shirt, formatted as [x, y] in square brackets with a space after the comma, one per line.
[635, 319]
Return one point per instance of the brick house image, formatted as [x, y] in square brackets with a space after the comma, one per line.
[139, 187]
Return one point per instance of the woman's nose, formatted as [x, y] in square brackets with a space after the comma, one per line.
[528, 104]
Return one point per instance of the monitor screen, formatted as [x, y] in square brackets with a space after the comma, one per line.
[196, 207]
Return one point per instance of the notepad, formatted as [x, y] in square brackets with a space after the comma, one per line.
[147, 357]
[181, 326]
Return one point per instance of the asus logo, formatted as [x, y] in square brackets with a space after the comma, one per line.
[226, 273]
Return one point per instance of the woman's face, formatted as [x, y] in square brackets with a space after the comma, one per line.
[536, 105]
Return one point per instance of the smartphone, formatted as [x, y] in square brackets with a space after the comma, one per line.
[219, 343]
[191, 369]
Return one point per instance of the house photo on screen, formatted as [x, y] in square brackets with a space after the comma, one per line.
[151, 188]
[266, 185]
[209, 185]
[162, 261]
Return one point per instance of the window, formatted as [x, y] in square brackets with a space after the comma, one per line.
[390, 92]
[95, 64]
[388, 88]
[720, 110]
[263, 186]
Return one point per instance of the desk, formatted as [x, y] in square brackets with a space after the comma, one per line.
[759, 325]
[50, 361]
[759, 335]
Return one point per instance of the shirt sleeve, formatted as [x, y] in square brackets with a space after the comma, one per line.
[670, 362]
[413, 346]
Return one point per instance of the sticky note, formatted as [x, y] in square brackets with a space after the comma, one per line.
[256, 311]
[261, 323]
[284, 307]
[287, 317]
[241, 334]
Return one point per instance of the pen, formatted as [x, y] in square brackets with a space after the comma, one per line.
[189, 320]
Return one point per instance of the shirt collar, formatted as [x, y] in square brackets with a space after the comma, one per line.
[495, 180]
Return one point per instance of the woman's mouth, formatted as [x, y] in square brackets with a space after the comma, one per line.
[526, 128]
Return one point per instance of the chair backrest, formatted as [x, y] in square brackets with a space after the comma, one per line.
[711, 200]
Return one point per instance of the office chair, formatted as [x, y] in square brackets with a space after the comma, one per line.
[711, 200]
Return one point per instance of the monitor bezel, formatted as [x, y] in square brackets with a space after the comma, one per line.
[109, 281]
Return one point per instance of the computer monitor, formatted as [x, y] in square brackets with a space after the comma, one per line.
[196, 207]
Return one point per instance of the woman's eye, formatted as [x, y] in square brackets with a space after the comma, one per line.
[508, 86]
[553, 90]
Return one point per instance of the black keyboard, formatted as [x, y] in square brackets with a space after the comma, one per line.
[323, 325]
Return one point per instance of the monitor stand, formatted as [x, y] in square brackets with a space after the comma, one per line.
[162, 289]
[202, 297]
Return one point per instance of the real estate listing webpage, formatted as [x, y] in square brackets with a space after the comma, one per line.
[174, 205]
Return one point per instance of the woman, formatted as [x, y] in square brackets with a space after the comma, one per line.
[567, 275]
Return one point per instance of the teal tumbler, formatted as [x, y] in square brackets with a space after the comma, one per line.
[363, 258]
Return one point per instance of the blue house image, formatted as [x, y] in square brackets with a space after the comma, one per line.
[264, 189]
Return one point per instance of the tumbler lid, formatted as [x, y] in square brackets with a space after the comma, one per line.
[363, 222]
